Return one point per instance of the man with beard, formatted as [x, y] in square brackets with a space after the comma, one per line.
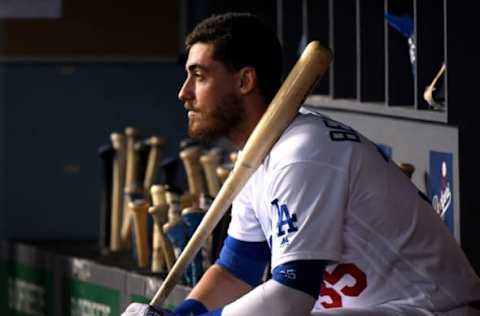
[346, 231]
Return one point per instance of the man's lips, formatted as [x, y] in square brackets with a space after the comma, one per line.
[193, 114]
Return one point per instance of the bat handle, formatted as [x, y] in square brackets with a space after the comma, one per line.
[167, 249]
[209, 164]
[158, 258]
[190, 157]
[159, 254]
[130, 182]
[131, 168]
[153, 161]
[118, 178]
[139, 209]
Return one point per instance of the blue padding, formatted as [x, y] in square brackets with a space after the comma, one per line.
[245, 260]
[190, 307]
[302, 275]
[178, 235]
[193, 220]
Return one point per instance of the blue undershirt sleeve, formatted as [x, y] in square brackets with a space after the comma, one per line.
[245, 260]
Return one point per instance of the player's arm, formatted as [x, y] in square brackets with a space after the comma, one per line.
[293, 290]
[238, 269]
[218, 287]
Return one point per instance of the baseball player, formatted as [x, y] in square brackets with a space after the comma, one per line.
[346, 231]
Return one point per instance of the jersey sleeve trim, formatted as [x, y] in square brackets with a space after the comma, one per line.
[246, 237]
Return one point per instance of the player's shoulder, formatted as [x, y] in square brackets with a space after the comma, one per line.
[307, 139]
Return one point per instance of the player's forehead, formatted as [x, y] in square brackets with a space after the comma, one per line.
[200, 56]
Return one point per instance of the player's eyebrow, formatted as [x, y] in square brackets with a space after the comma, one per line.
[195, 67]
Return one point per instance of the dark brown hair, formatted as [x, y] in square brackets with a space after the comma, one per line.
[240, 40]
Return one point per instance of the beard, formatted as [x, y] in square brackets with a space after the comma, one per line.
[218, 121]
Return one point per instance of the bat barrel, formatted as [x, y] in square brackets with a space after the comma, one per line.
[209, 163]
[140, 210]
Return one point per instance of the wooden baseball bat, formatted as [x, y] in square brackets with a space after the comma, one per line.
[310, 67]
[156, 144]
[429, 90]
[174, 228]
[162, 248]
[233, 156]
[118, 180]
[190, 157]
[159, 212]
[142, 154]
[407, 168]
[193, 215]
[209, 163]
[139, 209]
[223, 172]
[130, 183]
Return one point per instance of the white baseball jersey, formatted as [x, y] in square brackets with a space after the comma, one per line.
[325, 192]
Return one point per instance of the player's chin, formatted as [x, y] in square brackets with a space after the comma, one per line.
[203, 130]
[196, 129]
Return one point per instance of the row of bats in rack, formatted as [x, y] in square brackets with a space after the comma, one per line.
[139, 183]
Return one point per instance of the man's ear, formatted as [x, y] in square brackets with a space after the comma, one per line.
[248, 80]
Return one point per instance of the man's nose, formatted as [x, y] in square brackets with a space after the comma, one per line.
[184, 94]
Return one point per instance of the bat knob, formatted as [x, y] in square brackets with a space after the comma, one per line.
[156, 141]
[407, 168]
[132, 131]
[117, 139]
[190, 153]
[233, 156]
[158, 195]
[223, 172]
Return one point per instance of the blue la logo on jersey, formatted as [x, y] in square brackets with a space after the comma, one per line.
[284, 218]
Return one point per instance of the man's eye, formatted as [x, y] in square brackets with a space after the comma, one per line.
[197, 76]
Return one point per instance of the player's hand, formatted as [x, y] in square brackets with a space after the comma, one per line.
[138, 309]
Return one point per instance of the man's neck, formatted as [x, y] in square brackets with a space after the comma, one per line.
[254, 109]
